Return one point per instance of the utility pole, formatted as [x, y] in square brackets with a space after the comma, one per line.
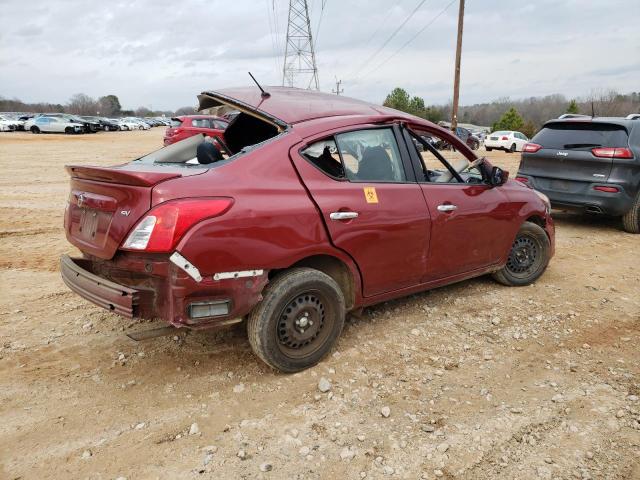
[338, 90]
[456, 80]
[299, 56]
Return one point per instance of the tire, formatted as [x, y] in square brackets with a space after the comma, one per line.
[300, 294]
[512, 148]
[68, 130]
[34, 129]
[631, 219]
[528, 258]
[488, 149]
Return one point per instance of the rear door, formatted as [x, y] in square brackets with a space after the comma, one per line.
[566, 154]
[373, 208]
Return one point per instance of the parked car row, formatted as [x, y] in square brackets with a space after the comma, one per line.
[68, 123]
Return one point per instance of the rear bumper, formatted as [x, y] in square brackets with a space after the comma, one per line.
[152, 287]
[581, 196]
[104, 293]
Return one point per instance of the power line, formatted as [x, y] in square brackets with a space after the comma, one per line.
[324, 2]
[411, 39]
[391, 37]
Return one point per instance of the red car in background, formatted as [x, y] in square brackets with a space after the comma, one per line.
[189, 125]
[317, 205]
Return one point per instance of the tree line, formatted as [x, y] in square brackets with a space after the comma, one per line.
[82, 104]
[525, 115]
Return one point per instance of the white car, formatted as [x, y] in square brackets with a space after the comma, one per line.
[52, 125]
[508, 141]
[7, 124]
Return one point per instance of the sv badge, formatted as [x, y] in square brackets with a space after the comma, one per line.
[125, 213]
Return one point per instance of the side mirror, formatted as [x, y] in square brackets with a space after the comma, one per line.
[498, 177]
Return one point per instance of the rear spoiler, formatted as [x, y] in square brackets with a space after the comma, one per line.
[119, 175]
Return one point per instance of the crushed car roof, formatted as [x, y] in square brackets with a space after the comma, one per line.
[291, 105]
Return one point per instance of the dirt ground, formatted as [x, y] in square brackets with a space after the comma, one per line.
[481, 381]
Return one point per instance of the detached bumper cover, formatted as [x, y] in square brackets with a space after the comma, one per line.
[104, 293]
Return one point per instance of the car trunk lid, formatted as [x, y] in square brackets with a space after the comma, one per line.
[566, 155]
[105, 203]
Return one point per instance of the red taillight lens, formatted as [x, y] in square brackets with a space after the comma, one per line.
[504, 138]
[609, 152]
[531, 147]
[606, 189]
[164, 225]
[522, 179]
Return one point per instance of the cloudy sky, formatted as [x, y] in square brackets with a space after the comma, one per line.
[161, 53]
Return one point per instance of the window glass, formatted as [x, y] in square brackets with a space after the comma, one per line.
[581, 135]
[324, 155]
[201, 122]
[371, 156]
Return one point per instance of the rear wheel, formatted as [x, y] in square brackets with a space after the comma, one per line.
[488, 149]
[631, 219]
[298, 320]
[528, 258]
[512, 148]
[35, 129]
[68, 130]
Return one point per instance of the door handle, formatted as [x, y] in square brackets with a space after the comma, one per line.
[343, 215]
[447, 207]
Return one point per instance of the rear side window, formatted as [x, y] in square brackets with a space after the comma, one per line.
[581, 135]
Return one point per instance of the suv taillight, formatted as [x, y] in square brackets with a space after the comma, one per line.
[164, 225]
[504, 138]
[609, 152]
[531, 147]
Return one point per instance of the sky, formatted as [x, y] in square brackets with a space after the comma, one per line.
[161, 53]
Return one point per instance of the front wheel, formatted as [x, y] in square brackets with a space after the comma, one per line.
[298, 320]
[631, 219]
[528, 258]
[35, 129]
[512, 148]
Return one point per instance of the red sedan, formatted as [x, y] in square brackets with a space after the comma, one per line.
[313, 206]
[188, 125]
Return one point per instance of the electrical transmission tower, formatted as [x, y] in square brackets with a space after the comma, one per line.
[299, 57]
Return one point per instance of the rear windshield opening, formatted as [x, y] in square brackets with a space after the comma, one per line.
[244, 132]
[567, 135]
[176, 122]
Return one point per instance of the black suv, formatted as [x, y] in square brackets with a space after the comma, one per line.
[590, 165]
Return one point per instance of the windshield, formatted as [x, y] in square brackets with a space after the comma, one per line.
[568, 135]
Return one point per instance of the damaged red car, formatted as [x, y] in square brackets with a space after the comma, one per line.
[310, 206]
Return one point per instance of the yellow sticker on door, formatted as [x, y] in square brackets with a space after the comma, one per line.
[370, 194]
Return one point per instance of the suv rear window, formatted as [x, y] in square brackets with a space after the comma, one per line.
[568, 135]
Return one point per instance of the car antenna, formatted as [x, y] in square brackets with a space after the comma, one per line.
[593, 112]
[263, 94]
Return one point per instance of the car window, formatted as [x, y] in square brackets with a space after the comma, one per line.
[201, 122]
[434, 160]
[371, 156]
[576, 135]
[324, 155]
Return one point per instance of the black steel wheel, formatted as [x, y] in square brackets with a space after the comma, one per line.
[298, 320]
[528, 258]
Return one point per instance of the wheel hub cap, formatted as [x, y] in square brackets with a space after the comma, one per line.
[523, 255]
[301, 322]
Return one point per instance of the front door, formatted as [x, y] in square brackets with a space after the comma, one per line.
[470, 220]
[371, 204]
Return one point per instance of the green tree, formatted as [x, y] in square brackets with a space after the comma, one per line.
[398, 99]
[109, 106]
[529, 129]
[417, 107]
[573, 107]
[511, 120]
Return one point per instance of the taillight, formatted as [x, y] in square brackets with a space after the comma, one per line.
[531, 147]
[164, 225]
[610, 152]
[522, 179]
[606, 189]
[504, 138]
